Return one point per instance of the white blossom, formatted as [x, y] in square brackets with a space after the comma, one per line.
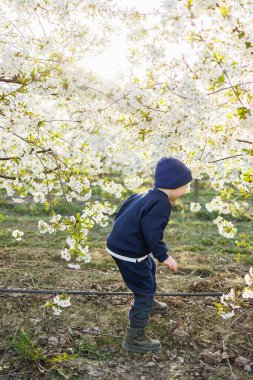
[74, 266]
[71, 242]
[195, 207]
[133, 182]
[43, 226]
[226, 228]
[249, 277]
[56, 310]
[227, 315]
[62, 302]
[55, 218]
[217, 204]
[247, 293]
[17, 234]
[65, 254]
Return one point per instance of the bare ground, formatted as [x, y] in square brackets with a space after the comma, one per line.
[85, 341]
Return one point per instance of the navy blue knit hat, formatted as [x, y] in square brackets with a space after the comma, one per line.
[171, 173]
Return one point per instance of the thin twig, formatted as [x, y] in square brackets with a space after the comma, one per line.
[226, 158]
[245, 141]
[59, 174]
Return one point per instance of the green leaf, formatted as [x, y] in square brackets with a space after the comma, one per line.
[61, 357]
[189, 3]
[224, 11]
[218, 57]
[218, 128]
[248, 151]
[47, 205]
[243, 112]
[248, 176]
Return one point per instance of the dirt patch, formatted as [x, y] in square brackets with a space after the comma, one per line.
[85, 341]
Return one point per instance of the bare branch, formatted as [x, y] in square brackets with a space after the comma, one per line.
[6, 176]
[115, 101]
[197, 77]
[8, 158]
[59, 174]
[226, 158]
[46, 171]
[227, 88]
[245, 141]
[10, 80]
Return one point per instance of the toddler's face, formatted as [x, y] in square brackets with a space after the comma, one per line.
[177, 193]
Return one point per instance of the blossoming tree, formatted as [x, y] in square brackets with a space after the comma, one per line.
[187, 92]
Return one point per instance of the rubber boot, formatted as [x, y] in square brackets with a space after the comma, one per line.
[159, 307]
[136, 340]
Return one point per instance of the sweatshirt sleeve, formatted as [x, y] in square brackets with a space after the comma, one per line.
[153, 225]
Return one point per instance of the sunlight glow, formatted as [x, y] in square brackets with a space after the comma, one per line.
[113, 62]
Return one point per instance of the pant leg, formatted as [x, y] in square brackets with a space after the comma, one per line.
[152, 264]
[140, 279]
[153, 270]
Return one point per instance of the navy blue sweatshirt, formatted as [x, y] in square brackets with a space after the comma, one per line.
[139, 224]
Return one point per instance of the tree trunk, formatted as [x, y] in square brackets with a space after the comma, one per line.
[196, 190]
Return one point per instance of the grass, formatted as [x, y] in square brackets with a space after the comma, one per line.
[26, 348]
[90, 349]
[196, 232]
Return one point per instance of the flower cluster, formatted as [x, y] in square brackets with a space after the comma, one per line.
[79, 252]
[78, 186]
[55, 218]
[133, 182]
[45, 227]
[195, 207]
[248, 291]
[217, 204]
[75, 195]
[97, 211]
[56, 225]
[17, 234]
[79, 227]
[59, 302]
[197, 168]
[236, 207]
[112, 149]
[226, 228]
[217, 184]
[74, 266]
[111, 187]
[230, 300]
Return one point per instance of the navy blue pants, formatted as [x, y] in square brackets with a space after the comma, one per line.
[140, 278]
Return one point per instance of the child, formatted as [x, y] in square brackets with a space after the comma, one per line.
[138, 232]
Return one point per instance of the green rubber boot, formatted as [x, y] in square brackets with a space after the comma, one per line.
[159, 307]
[136, 340]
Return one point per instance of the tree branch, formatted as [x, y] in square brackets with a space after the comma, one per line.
[8, 158]
[245, 141]
[226, 158]
[10, 80]
[6, 176]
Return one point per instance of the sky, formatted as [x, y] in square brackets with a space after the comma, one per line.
[113, 61]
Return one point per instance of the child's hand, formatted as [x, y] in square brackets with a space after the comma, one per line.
[171, 263]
